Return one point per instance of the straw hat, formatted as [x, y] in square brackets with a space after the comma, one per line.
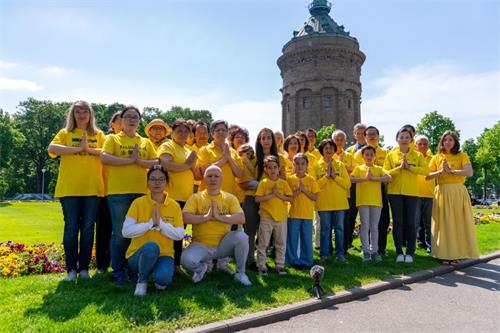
[157, 122]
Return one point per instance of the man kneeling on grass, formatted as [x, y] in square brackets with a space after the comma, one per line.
[212, 212]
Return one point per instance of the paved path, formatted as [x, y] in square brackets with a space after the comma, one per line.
[461, 301]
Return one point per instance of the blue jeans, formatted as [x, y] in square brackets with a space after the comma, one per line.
[299, 230]
[79, 216]
[147, 260]
[332, 219]
[118, 207]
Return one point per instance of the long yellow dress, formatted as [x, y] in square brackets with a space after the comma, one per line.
[453, 230]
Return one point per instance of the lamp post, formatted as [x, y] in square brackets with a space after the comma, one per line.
[43, 180]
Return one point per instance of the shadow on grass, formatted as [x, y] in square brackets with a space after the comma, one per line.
[5, 204]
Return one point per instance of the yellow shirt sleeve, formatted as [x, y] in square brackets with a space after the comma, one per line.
[59, 139]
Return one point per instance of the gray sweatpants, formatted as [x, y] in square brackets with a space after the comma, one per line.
[234, 243]
[370, 216]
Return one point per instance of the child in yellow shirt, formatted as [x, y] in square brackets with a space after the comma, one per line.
[299, 225]
[273, 193]
[367, 178]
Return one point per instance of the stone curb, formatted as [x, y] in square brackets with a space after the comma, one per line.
[291, 310]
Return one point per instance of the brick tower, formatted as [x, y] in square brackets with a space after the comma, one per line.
[321, 69]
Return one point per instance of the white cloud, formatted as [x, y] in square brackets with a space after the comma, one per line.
[471, 100]
[7, 65]
[55, 71]
[19, 84]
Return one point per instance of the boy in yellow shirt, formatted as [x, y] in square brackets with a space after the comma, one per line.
[299, 225]
[273, 193]
[367, 178]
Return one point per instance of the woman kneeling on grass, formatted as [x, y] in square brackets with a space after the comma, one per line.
[79, 184]
[153, 222]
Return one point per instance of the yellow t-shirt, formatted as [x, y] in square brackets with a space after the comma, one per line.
[141, 210]
[275, 209]
[347, 159]
[368, 193]
[131, 178]
[455, 162]
[180, 184]
[405, 182]
[211, 154]
[79, 174]
[426, 187]
[380, 155]
[333, 193]
[302, 207]
[195, 148]
[211, 232]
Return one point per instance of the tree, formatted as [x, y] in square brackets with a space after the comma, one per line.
[103, 114]
[11, 140]
[325, 132]
[488, 157]
[470, 148]
[38, 121]
[433, 125]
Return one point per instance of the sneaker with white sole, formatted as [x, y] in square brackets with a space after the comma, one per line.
[159, 286]
[223, 266]
[71, 276]
[408, 259]
[210, 266]
[141, 289]
[400, 258]
[262, 272]
[281, 271]
[198, 276]
[366, 257]
[84, 275]
[243, 279]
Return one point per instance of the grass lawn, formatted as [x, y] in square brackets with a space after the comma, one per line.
[45, 303]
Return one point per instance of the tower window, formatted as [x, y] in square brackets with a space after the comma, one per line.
[306, 102]
[327, 102]
[349, 104]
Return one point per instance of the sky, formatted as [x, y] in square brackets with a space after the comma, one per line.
[220, 55]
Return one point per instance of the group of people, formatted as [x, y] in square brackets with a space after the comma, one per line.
[244, 202]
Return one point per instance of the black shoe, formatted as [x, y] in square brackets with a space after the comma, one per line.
[298, 267]
[253, 267]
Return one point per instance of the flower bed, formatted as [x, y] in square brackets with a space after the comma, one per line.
[481, 218]
[17, 259]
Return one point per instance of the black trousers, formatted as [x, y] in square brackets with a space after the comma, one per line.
[178, 244]
[383, 223]
[404, 209]
[350, 219]
[103, 235]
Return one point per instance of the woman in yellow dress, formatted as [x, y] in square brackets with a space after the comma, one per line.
[453, 230]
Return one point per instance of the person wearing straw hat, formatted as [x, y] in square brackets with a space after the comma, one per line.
[157, 131]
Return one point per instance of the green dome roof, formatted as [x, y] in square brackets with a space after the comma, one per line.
[320, 22]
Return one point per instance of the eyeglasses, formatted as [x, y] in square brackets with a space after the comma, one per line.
[78, 113]
[131, 117]
[157, 180]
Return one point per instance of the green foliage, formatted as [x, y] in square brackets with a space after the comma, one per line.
[433, 125]
[488, 157]
[325, 132]
[470, 148]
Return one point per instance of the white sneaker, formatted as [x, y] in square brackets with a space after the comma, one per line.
[84, 275]
[243, 279]
[71, 276]
[408, 259]
[223, 266]
[141, 289]
[210, 266]
[159, 286]
[198, 276]
[400, 258]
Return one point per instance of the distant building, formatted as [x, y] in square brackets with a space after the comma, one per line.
[321, 69]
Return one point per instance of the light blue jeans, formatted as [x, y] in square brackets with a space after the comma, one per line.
[299, 234]
[332, 219]
[147, 260]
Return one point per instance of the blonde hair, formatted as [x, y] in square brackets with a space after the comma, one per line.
[71, 121]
